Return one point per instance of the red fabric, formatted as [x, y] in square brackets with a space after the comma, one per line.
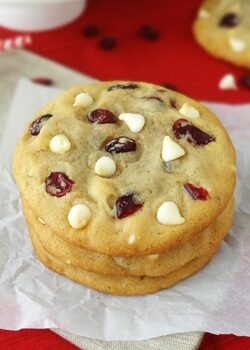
[174, 58]
[224, 342]
[35, 339]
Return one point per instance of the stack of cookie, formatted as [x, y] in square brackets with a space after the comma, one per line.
[126, 187]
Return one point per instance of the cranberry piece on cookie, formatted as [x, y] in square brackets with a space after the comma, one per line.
[183, 128]
[229, 20]
[127, 205]
[196, 192]
[58, 184]
[101, 116]
[120, 144]
[37, 124]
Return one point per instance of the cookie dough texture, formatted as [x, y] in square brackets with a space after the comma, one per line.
[224, 37]
[137, 248]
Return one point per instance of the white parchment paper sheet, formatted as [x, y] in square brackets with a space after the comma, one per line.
[216, 299]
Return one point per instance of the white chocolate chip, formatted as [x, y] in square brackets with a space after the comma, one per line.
[171, 150]
[203, 13]
[228, 82]
[83, 100]
[121, 261]
[105, 167]
[79, 216]
[189, 111]
[41, 220]
[135, 122]
[169, 214]
[237, 45]
[59, 144]
[153, 256]
[131, 239]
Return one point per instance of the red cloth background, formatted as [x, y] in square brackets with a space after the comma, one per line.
[174, 58]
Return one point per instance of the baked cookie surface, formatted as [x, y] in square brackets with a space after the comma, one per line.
[122, 285]
[125, 169]
[222, 28]
[151, 265]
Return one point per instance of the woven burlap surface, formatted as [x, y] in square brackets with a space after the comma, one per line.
[183, 341]
[13, 65]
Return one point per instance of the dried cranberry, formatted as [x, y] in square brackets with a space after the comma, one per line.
[229, 20]
[245, 80]
[173, 103]
[180, 128]
[123, 87]
[183, 128]
[127, 205]
[91, 30]
[101, 116]
[153, 98]
[197, 192]
[121, 144]
[107, 43]
[169, 86]
[58, 184]
[37, 124]
[43, 81]
[148, 33]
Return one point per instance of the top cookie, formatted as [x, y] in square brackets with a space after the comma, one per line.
[125, 168]
[222, 27]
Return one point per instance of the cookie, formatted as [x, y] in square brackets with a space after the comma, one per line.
[125, 169]
[222, 28]
[126, 187]
[152, 265]
[122, 285]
